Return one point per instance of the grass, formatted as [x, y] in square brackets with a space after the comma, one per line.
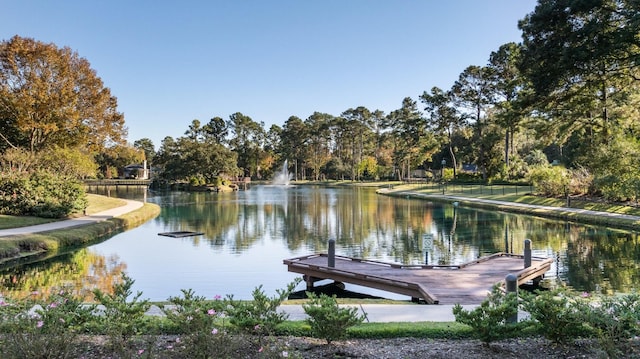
[522, 194]
[101, 203]
[22, 221]
[96, 204]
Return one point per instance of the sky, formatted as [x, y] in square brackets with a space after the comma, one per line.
[170, 62]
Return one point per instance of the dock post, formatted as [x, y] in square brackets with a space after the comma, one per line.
[512, 287]
[331, 259]
[527, 253]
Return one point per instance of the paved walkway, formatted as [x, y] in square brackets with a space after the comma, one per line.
[80, 221]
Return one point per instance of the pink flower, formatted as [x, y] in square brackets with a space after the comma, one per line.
[217, 297]
[211, 312]
[39, 324]
[35, 292]
[53, 305]
[214, 331]
[3, 303]
[260, 350]
[585, 294]
[140, 351]
[257, 327]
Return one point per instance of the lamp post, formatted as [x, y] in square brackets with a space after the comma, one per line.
[444, 163]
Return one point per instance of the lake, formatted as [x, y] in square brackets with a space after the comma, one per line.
[247, 234]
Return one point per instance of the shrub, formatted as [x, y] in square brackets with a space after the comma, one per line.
[550, 181]
[556, 314]
[40, 194]
[121, 319]
[260, 315]
[491, 320]
[615, 320]
[42, 329]
[327, 320]
[201, 325]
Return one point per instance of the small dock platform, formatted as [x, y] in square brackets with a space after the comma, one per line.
[468, 283]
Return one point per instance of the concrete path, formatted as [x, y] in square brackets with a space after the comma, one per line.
[377, 313]
[80, 221]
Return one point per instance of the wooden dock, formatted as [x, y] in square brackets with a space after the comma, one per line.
[467, 283]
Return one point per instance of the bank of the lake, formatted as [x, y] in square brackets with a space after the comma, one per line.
[615, 219]
[45, 244]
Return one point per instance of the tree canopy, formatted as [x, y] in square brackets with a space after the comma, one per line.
[50, 96]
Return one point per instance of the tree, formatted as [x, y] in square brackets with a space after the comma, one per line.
[359, 121]
[319, 133]
[146, 146]
[508, 84]
[293, 145]
[216, 129]
[413, 143]
[583, 58]
[443, 118]
[50, 96]
[474, 91]
[112, 160]
[247, 141]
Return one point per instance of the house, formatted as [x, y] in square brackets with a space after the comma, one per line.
[136, 171]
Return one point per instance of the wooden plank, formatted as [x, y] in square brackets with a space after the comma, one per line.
[468, 283]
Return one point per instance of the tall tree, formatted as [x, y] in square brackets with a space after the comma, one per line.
[319, 133]
[146, 145]
[443, 118]
[50, 96]
[508, 83]
[216, 129]
[474, 92]
[583, 60]
[413, 142]
[247, 141]
[360, 121]
[293, 145]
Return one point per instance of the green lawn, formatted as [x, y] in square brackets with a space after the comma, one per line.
[96, 204]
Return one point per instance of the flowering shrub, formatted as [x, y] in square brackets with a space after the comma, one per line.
[42, 329]
[260, 315]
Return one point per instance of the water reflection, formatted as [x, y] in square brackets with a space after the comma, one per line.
[248, 233]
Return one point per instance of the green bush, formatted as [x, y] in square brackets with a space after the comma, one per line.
[40, 194]
[615, 320]
[491, 320]
[550, 181]
[201, 325]
[121, 318]
[327, 320]
[556, 314]
[260, 315]
[42, 329]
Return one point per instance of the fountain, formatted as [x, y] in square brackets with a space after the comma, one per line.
[283, 177]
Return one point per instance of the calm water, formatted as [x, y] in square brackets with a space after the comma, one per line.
[247, 234]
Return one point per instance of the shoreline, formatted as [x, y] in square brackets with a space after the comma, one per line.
[583, 216]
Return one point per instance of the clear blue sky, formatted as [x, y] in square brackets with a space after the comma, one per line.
[170, 62]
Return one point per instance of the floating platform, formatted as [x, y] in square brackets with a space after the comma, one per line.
[180, 234]
[467, 283]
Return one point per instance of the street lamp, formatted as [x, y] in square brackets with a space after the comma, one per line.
[444, 163]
